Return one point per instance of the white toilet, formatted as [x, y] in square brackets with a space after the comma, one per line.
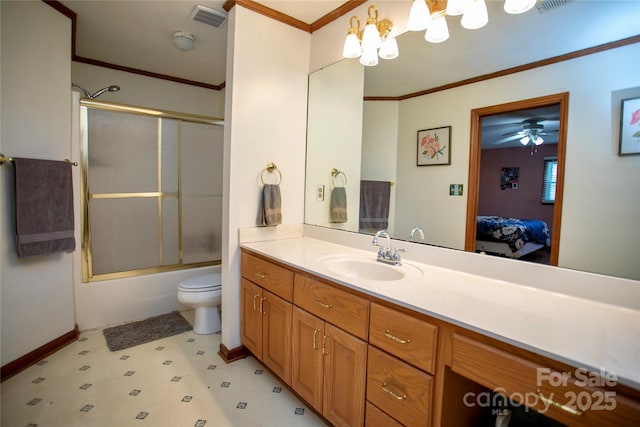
[203, 293]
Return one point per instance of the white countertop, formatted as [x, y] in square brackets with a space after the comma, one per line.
[583, 333]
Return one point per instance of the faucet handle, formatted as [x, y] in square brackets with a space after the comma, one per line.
[396, 254]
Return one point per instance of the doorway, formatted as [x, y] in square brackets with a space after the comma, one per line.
[560, 100]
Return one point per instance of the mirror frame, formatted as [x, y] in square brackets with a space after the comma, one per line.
[474, 164]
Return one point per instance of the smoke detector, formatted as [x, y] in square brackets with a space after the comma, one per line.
[208, 16]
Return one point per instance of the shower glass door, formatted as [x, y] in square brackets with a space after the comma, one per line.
[152, 186]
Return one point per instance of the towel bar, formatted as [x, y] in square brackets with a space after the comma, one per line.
[4, 159]
[334, 173]
[270, 168]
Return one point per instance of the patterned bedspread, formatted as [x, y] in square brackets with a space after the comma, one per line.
[516, 232]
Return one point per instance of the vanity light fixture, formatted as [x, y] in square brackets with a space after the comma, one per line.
[372, 42]
[430, 15]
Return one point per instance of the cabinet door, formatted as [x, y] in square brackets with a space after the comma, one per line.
[345, 362]
[276, 335]
[307, 361]
[251, 317]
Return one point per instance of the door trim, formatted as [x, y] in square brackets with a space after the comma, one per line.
[474, 164]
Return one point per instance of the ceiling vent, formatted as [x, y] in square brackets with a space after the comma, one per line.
[546, 5]
[208, 16]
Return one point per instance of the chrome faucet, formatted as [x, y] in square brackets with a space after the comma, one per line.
[415, 230]
[386, 254]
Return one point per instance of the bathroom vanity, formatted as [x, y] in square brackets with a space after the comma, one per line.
[365, 343]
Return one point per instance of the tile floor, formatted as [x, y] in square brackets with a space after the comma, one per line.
[173, 382]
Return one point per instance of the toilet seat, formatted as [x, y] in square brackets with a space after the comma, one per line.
[204, 283]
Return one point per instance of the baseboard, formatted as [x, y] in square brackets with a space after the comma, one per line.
[234, 354]
[22, 363]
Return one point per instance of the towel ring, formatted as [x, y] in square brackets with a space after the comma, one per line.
[270, 168]
[334, 173]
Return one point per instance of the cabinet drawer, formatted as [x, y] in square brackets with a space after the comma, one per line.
[404, 336]
[377, 418]
[343, 309]
[274, 278]
[577, 401]
[399, 389]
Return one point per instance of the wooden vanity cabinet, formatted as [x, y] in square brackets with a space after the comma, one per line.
[567, 395]
[329, 364]
[265, 328]
[360, 361]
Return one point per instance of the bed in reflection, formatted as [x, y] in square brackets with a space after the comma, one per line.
[511, 237]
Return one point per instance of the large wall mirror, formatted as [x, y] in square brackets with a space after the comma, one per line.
[367, 123]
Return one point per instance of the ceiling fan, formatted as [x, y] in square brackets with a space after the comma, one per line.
[532, 132]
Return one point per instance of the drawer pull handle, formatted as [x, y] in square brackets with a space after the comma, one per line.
[262, 306]
[324, 345]
[254, 302]
[315, 339]
[392, 394]
[555, 404]
[261, 274]
[323, 304]
[387, 334]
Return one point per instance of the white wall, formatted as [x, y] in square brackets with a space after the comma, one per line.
[599, 184]
[136, 89]
[266, 109]
[36, 293]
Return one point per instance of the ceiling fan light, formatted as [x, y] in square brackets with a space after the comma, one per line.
[537, 139]
[475, 15]
[518, 6]
[437, 31]
[419, 16]
[525, 140]
[352, 47]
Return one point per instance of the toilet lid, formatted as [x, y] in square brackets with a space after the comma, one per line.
[205, 282]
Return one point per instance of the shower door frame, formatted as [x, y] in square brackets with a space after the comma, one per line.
[86, 197]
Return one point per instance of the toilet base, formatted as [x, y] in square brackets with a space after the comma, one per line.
[206, 320]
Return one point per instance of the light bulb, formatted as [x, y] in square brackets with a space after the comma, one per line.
[371, 38]
[525, 140]
[538, 140]
[518, 6]
[437, 31]
[475, 15]
[455, 7]
[389, 49]
[369, 57]
[419, 16]
[352, 47]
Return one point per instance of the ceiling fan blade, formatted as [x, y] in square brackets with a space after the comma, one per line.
[507, 139]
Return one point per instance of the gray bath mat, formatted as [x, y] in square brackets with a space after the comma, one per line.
[143, 331]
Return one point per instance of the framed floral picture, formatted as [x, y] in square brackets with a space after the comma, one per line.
[630, 127]
[434, 146]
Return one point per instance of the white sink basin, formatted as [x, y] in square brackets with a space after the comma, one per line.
[365, 268]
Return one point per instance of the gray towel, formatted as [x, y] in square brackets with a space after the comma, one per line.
[374, 205]
[270, 210]
[44, 207]
[338, 204]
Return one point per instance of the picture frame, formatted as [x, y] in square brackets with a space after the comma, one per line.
[629, 127]
[434, 146]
